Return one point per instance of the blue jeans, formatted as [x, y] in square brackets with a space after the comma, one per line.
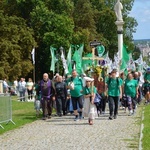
[22, 95]
[131, 102]
[113, 105]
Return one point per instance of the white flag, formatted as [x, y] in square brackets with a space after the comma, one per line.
[139, 61]
[131, 64]
[33, 55]
[64, 62]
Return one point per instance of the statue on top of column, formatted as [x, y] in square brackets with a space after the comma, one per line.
[118, 10]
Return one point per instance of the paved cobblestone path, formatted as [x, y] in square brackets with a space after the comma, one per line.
[63, 133]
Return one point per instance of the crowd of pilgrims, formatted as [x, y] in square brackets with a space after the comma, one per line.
[89, 95]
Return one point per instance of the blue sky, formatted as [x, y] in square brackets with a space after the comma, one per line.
[141, 12]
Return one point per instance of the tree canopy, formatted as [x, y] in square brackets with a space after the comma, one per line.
[30, 23]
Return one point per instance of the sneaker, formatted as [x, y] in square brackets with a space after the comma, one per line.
[76, 118]
[49, 117]
[44, 118]
[130, 113]
[110, 118]
[60, 115]
[115, 116]
[103, 112]
[80, 117]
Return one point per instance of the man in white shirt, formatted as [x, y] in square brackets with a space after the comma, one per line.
[22, 89]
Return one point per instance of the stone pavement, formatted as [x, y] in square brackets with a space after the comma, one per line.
[63, 133]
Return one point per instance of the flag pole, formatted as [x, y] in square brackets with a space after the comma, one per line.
[33, 61]
[34, 73]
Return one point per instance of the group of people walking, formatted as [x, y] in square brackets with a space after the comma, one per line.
[89, 94]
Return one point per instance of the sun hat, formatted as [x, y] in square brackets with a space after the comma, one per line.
[88, 79]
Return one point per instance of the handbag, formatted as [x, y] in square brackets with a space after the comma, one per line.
[71, 85]
[124, 101]
[97, 98]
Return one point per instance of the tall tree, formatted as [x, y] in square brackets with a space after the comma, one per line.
[16, 42]
[68, 22]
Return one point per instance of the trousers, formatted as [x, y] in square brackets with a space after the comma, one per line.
[46, 107]
[113, 105]
[61, 105]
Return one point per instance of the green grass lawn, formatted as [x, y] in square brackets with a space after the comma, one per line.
[22, 113]
[146, 131]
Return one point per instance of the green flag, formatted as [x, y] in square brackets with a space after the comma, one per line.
[53, 59]
[100, 50]
[81, 50]
[77, 58]
[125, 53]
[125, 58]
[69, 60]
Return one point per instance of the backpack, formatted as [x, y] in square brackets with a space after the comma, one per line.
[109, 80]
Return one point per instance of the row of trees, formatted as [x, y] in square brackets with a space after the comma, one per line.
[40, 23]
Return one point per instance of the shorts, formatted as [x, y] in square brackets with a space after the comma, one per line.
[146, 89]
[77, 100]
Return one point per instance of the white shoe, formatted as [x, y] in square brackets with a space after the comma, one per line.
[130, 113]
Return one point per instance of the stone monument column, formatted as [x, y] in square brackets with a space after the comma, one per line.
[120, 37]
[119, 23]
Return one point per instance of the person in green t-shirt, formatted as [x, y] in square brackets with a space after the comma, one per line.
[75, 84]
[147, 75]
[131, 91]
[89, 92]
[114, 93]
[147, 85]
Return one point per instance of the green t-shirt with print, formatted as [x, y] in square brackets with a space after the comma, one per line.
[114, 86]
[88, 90]
[78, 86]
[130, 87]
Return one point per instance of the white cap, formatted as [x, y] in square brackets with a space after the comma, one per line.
[88, 79]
